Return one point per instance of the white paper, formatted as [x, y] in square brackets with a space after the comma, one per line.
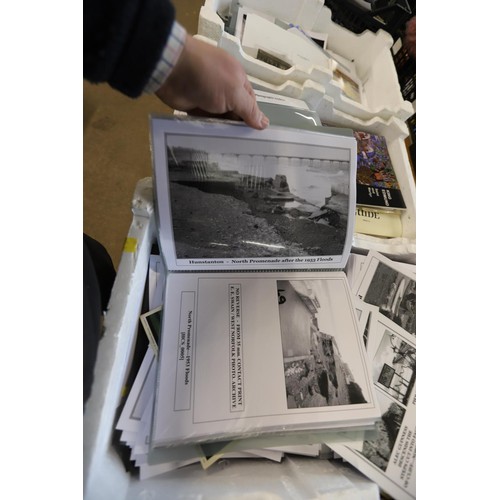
[308, 450]
[241, 18]
[156, 281]
[391, 287]
[353, 267]
[140, 393]
[269, 454]
[259, 33]
[231, 197]
[141, 443]
[248, 353]
[389, 458]
[367, 317]
[149, 471]
[140, 450]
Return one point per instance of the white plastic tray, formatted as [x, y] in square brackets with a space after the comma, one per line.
[370, 53]
[104, 474]
[395, 132]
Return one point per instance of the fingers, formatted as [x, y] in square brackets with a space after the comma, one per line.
[249, 88]
[208, 78]
[246, 107]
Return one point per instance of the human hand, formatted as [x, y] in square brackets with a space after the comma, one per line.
[210, 80]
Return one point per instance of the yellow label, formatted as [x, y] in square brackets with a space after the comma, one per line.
[130, 245]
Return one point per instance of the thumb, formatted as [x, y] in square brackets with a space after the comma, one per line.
[246, 107]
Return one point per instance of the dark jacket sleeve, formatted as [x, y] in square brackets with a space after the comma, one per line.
[123, 40]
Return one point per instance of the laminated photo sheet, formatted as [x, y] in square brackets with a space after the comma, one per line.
[306, 450]
[390, 458]
[135, 423]
[156, 281]
[151, 322]
[147, 471]
[361, 313]
[229, 197]
[141, 392]
[353, 267]
[367, 318]
[136, 418]
[185, 455]
[140, 446]
[143, 387]
[297, 441]
[249, 354]
[140, 451]
[390, 286]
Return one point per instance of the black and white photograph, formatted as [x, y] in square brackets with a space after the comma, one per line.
[317, 366]
[227, 205]
[378, 451]
[395, 294]
[394, 367]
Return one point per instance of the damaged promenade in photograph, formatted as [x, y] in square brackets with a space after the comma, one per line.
[241, 206]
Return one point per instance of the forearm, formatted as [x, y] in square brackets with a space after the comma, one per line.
[123, 41]
[135, 46]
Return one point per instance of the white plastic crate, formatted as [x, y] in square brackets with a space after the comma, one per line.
[104, 474]
[395, 132]
[103, 471]
[370, 53]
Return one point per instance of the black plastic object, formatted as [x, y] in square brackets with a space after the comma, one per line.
[389, 15]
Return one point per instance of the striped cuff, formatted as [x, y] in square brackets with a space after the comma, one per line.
[168, 59]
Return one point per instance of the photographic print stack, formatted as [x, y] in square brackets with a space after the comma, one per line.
[258, 347]
[386, 306]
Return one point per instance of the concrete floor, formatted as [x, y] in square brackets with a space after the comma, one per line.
[116, 150]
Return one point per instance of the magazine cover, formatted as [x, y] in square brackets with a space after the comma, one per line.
[377, 184]
[231, 197]
[245, 354]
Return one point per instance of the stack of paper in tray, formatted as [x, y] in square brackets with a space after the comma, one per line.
[136, 417]
[387, 456]
[298, 357]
